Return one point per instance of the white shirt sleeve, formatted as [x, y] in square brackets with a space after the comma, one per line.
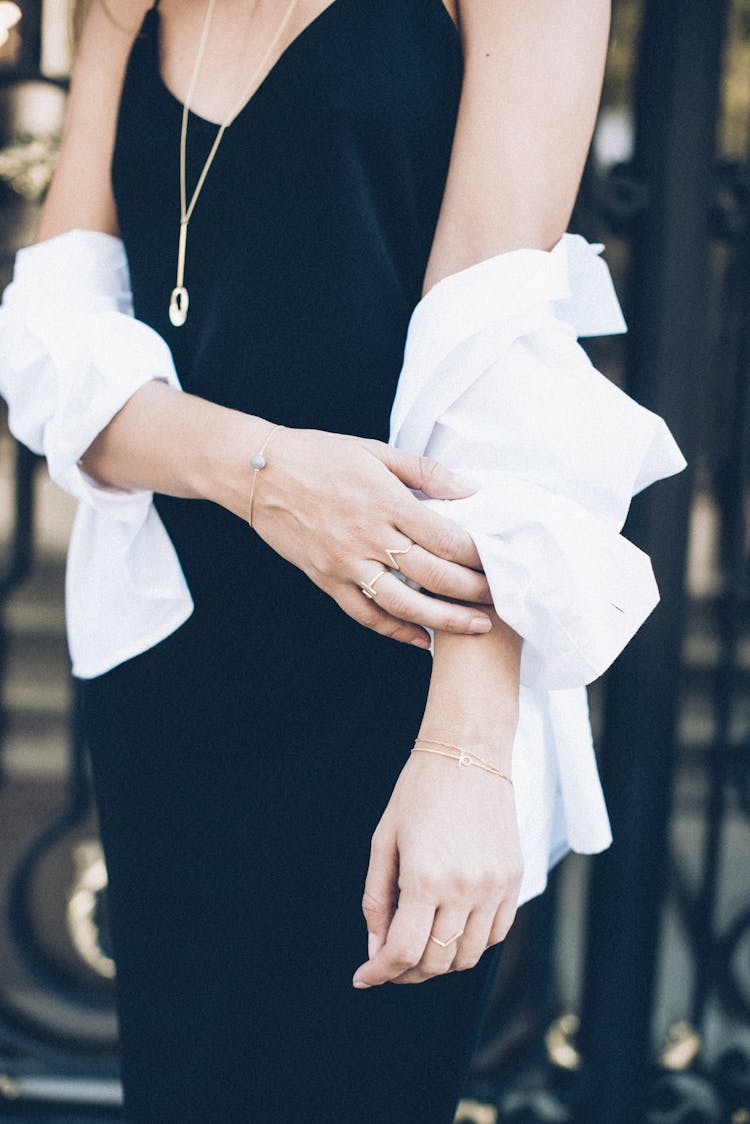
[495, 384]
[73, 354]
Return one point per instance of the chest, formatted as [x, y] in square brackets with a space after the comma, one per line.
[219, 56]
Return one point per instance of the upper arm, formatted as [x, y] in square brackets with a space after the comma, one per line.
[533, 72]
[80, 195]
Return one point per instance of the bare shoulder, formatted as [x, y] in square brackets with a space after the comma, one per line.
[80, 195]
[104, 17]
[107, 35]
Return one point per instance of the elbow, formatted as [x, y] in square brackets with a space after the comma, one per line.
[96, 463]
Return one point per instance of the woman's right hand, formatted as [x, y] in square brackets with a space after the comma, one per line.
[334, 504]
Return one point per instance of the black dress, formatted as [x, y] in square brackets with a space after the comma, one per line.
[242, 764]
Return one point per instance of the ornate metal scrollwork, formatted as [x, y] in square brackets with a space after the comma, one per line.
[560, 1041]
[86, 904]
[27, 164]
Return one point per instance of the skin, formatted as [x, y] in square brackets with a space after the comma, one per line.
[445, 854]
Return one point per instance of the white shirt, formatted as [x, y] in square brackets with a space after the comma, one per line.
[493, 381]
[493, 378]
[71, 355]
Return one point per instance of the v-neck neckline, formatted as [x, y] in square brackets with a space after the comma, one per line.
[301, 35]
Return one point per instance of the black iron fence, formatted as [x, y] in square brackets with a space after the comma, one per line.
[684, 216]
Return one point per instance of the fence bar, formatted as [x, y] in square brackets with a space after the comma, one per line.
[734, 477]
[676, 111]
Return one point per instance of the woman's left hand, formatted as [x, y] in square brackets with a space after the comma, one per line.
[444, 857]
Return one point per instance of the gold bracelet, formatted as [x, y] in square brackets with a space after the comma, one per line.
[258, 461]
[463, 758]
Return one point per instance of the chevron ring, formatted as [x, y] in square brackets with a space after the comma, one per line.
[394, 550]
[444, 944]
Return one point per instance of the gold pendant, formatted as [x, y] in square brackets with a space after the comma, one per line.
[178, 306]
[180, 301]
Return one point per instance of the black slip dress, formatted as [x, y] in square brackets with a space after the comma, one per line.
[241, 765]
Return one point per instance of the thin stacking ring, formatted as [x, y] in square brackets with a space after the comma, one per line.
[368, 587]
[393, 550]
[444, 944]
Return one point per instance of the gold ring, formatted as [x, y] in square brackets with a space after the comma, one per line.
[444, 944]
[393, 550]
[367, 587]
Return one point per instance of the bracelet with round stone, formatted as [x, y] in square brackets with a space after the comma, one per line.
[464, 758]
[258, 462]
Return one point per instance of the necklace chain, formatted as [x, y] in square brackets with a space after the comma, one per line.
[179, 300]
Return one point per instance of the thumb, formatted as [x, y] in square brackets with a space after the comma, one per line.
[425, 474]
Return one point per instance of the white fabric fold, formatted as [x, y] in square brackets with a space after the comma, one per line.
[556, 450]
[559, 801]
[495, 385]
[71, 355]
[489, 305]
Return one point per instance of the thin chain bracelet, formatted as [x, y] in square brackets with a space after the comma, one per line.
[463, 758]
[258, 461]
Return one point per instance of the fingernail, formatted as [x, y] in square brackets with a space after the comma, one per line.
[464, 483]
[373, 944]
[359, 983]
[481, 624]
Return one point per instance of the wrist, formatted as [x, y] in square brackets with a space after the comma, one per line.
[493, 742]
[466, 758]
[223, 469]
[474, 692]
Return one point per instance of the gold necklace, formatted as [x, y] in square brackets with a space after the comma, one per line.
[180, 300]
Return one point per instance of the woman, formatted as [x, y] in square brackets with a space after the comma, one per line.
[390, 165]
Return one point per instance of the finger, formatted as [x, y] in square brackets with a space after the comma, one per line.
[435, 532]
[424, 474]
[476, 938]
[504, 918]
[407, 604]
[367, 613]
[437, 959]
[405, 943]
[381, 889]
[447, 579]
[436, 574]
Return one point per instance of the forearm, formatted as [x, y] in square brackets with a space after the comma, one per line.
[446, 851]
[473, 695]
[165, 440]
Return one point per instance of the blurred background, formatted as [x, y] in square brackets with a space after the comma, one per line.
[624, 996]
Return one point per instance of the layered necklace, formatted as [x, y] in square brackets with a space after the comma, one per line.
[180, 300]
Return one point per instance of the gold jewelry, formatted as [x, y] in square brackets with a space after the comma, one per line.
[180, 300]
[393, 551]
[463, 758]
[444, 944]
[367, 587]
[258, 461]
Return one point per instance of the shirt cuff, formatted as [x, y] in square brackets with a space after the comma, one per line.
[467, 319]
[557, 451]
[563, 579]
[75, 355]
[96, 373]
